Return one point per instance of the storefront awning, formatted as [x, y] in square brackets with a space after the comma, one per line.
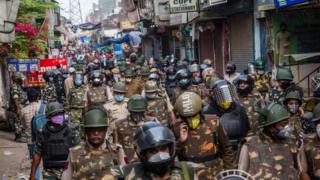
[304, 58]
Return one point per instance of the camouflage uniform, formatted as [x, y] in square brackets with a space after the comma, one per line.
[207, 145]
[49, 93]
[86, 163]
[159, 109]
[312, 149]
[97, 95]
[125, 131]
[17, 93]
[276, 95]
[180, 171]
[247, 102]
[198, 89]
[265, 159]
[134, 87]
[75, 103]
[262, 83]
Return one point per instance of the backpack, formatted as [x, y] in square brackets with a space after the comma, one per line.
[38, 121]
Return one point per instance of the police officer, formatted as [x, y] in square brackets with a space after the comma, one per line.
[52, 144]
[145, 73]
[94, 158]
[59, 84]
[247, 98]
[201, 139]
[284, 79]
[135, 86]
[184, 78]
[49, 92]
[170, 81]
[232, 115]
[230, 73]
[262, 79]
[155, 146]
[198, 84]
[158, 106]
[311, 146]
[77, 100]
[268, 155]
[18, 99]
[126, 128]
[97, 94]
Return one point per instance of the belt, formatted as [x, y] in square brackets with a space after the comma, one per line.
[201, 159]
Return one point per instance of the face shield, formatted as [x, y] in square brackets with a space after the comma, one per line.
[224, 94]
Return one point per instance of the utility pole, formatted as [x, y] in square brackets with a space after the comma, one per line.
[75, 14]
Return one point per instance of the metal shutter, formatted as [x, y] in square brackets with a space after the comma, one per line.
[241, 40]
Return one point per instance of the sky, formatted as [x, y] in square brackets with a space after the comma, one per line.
[86, 7]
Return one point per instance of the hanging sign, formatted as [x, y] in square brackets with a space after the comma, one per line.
[286, 3]
[180, 6]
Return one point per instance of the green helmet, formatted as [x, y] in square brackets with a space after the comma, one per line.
[120, 87]
[145, 71]
[293, 95]
[151, 86]
[188, 104]
[122, 68]
[272, 114]
[128, 73]
[137, 103]
[17, 76]
[284, 74]
[95, 118]
[54, 108]
[259, 64]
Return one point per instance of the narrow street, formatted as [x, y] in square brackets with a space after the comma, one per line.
[14, 163]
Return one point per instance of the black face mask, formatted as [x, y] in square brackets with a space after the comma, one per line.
[137, 117]
[285, 85]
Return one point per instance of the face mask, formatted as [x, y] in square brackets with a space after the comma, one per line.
[207, 78]
[137, 117]
[196, 80]
[128, 80]
[286, 133]
[260, 72]
[184, 83]
[318, 130]
[50, 79]
[285, 85]
[57, 119]
[119, 98]
[158, 157]
[172, 77]
[96, 82]
[151, 95]
[293, 108]
[193, 122]
[78, 82]
[225, 105]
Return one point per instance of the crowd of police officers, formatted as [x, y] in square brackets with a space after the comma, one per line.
[131, 118]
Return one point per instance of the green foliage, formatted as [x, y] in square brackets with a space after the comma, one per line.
[34, 8]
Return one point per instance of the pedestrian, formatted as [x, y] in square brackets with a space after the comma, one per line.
[94, 158]
[201, 139]
[155, 147]
[52, 144]
[268, 155]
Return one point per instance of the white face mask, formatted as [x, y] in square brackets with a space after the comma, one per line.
[293, 108]
[158, 157]
[318, 130]
[286, 133]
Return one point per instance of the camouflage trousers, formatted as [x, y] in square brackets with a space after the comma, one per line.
[75, 116]
[52, 174]
[212, 169]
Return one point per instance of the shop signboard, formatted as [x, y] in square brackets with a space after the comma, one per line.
[181, 6]
[286, 3]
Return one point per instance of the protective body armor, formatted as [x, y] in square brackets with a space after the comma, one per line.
[270, 160]
[76, 97]
[202, 146]
[87, 164]
[49, 93]
[56, 144]
[97, 95]
[159, 111]
[170, 86]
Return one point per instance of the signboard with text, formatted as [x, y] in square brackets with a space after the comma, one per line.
[286, 3]
[22, 65]
[180, 6]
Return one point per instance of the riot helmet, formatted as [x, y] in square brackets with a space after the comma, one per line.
[251, 69]
[154, 77]
[293, 100]
[284, 77]
[244, 84]
[224, 93]
[151, 90]
[188, 104]
[95, 118]
[260, 66]
[183, 77]
[96, 78]
[48, 76]
[272, 114]
[137, 105]
[133, 57]
[150, 143]
[231, 68]
[119, 91]
[54, 108]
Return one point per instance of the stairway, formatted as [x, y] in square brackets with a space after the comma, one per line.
[308, 78]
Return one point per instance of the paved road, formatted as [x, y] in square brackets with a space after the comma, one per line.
[14, 163]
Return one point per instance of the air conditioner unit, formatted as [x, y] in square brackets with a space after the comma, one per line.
[216, 2]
